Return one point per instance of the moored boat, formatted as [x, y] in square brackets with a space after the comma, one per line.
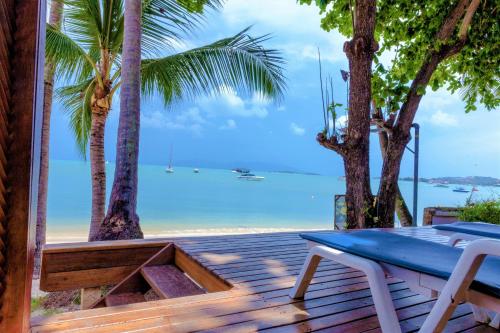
[250, 176]
[170, 168]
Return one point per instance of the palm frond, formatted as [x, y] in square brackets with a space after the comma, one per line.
[70, 59]
[76, 100]
[165, 22]
[239, 62]
[113, 25]
[83, 22]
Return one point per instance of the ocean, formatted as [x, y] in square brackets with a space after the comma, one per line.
[215, 201]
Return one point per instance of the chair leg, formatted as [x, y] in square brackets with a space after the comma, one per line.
[376, 278]
[480, 314]
[306, 274]
[495, 323]
[382, 299]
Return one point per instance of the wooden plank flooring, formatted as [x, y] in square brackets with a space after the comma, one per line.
[263, 267]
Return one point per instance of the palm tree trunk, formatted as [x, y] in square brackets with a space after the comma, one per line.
[121, 221]
[56, 8]
[97, 170]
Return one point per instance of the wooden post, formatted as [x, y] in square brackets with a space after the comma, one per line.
[440, 215]
[22, 39]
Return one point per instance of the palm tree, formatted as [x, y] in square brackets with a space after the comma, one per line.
[122, 221]
[88, 53]
[55, 16]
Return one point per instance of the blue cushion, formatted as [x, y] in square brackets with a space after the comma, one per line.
[411, 253]
[472, 228]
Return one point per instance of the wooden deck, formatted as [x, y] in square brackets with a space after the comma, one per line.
[263, 267]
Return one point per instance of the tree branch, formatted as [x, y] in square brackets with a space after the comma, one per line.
[332, 144]
[462, 34]
[451, 21]
[410, 106]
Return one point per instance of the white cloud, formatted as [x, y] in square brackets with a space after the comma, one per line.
[286, 18]
[439, 99]
[297, 130]
[191, 120]
[443, 119]
[230, 104]
[340, 122]
[229, 125]
[279, 14]
[281, 108]
[330, 47]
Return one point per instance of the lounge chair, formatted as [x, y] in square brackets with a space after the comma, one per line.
[428, 268]
[469, 231]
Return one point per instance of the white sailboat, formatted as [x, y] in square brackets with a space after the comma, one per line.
[170, 168]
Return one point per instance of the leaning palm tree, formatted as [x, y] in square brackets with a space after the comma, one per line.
[88, 55]
[55, 17]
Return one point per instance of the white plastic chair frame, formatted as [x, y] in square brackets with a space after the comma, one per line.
[452, 292]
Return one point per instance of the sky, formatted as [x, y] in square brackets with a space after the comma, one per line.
[235, 130]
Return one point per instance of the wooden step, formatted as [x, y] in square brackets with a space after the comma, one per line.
[124, 298]
[169, 282]
[135, 283]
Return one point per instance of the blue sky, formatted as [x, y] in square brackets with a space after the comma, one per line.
[235, 130]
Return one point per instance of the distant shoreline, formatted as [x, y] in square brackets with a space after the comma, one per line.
[472, 180]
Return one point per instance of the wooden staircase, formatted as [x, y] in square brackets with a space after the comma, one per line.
[159, 274]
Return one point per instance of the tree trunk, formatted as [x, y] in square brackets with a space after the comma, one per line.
[359, 51]
[401, 130]
[401, 208]
[97, 170]
[121, 221]
[56, 8]
[388, 190]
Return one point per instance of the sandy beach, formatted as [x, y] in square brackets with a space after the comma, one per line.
[80, 236]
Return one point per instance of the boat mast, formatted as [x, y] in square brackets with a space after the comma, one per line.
[171, 153]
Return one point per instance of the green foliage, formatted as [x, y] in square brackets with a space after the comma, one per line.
[93, 31]
[484, 211]
[408, 30]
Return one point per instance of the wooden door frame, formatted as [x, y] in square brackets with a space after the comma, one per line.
[26, 58]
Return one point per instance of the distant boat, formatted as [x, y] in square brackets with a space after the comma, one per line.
[196, 170]
[460, 190]
[441, 185]
[342, 178]
[170, 168]
[240, 170]
[250, 176]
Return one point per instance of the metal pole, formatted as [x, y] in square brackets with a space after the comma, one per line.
[415, 173]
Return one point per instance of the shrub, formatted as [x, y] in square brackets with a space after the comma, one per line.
[485, 211]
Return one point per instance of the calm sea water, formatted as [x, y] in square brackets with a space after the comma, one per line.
[215, 200]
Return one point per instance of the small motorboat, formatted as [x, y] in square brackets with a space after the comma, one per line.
[196, 170]
[250, 176]
[460, 190]
[441, 185]
[169, 170]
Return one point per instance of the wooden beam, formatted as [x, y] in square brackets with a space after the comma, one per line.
[86, 265]
[24, 124]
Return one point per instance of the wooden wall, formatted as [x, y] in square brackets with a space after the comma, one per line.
[22, 27]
